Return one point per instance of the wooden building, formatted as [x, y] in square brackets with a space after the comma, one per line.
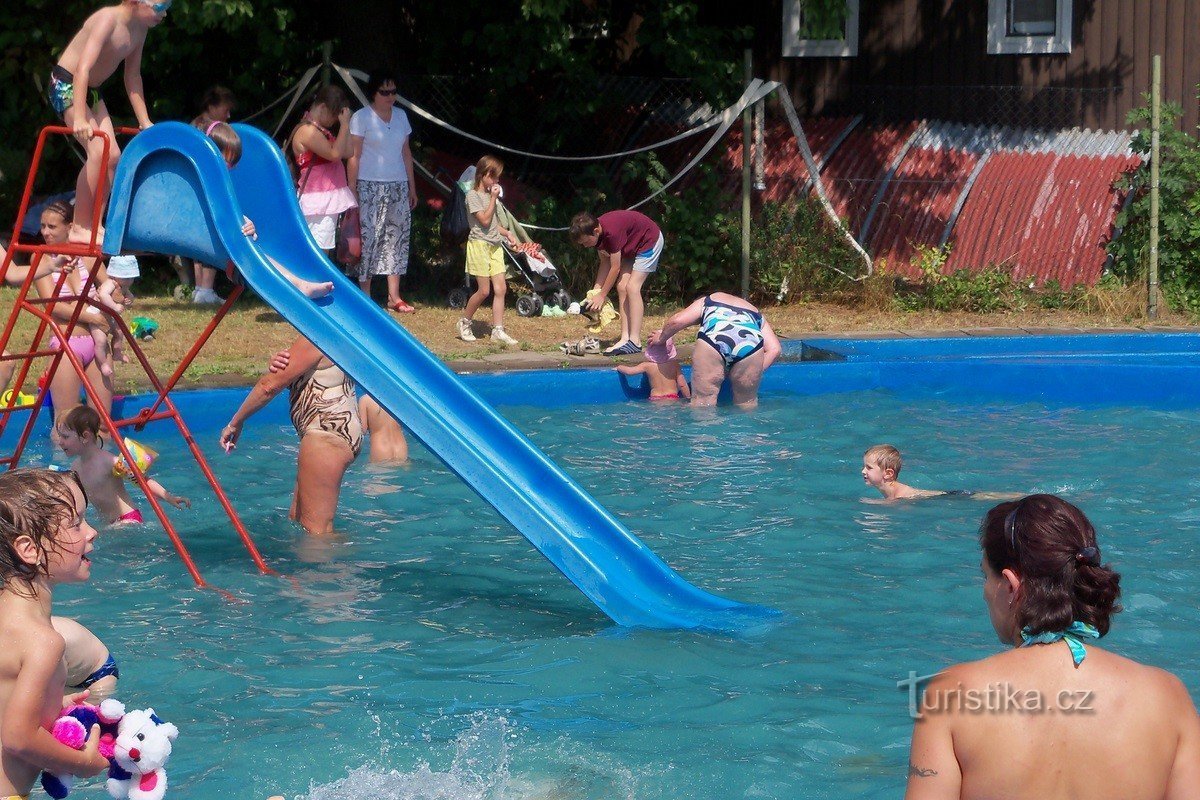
[1024, 63]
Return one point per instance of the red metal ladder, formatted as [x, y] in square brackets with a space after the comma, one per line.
[41, 309]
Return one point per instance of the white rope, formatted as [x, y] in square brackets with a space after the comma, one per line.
[810, 162]
[755, 91]
[303, 81]
[413, 107]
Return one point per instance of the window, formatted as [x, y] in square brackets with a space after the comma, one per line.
[812, 32]
[1029, 27]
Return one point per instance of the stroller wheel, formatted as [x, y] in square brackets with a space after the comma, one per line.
[529, 305]
[458, 297]
[560, 298]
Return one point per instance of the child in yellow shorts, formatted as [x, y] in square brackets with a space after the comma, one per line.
[485, 250]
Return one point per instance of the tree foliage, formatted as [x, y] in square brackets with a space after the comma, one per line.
[1179, 215]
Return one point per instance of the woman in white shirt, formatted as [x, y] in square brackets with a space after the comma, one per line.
[380, 173]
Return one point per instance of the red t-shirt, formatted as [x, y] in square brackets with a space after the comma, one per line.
[627, 233]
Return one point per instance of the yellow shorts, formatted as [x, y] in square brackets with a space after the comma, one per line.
[484, 259]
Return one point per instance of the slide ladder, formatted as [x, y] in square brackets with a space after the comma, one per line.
[49, 329]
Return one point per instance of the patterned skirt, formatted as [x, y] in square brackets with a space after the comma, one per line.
[386, 224]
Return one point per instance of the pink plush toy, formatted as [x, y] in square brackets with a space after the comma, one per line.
[72, 729]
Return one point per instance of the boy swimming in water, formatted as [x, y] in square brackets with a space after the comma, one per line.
[881, 467]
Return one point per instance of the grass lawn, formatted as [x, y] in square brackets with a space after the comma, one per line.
[238, 351]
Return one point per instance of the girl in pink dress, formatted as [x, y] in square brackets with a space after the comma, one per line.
[319, 156]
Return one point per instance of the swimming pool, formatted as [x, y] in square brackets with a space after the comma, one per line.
[431, 652]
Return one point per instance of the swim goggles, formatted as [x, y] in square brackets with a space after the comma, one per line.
[158, 8]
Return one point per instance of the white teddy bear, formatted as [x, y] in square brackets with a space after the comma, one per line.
[141, 749]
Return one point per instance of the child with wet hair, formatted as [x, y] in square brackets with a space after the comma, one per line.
[881, 468]
[44, 541]
[230, 144]
[102, 472]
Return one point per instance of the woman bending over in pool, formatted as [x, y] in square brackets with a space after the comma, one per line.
[1056, 717]
[734, 341]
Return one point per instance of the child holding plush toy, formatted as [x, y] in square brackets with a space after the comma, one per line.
[44, 541]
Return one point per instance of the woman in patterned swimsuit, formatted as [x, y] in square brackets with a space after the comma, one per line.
[325, 414]
[734, 340]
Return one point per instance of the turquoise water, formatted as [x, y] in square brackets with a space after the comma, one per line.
[430, 652]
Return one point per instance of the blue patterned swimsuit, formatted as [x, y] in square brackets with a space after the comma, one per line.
[734, 332]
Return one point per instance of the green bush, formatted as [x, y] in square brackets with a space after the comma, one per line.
[1179, 212]
[795, 254]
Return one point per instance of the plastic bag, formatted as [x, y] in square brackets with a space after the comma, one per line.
[349, 238]
[456, 225]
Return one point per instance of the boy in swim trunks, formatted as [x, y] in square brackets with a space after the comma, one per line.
[101, 471]
[661, 368]
[108, 37]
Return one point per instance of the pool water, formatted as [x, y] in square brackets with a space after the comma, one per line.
[430, 652]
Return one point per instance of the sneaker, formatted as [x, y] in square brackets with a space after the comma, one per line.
[464, 330]
[206, 297]
[498, 335]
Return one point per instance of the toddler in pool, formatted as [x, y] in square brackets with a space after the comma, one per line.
[661, 368]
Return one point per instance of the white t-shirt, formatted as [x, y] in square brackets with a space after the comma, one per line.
[383, 142]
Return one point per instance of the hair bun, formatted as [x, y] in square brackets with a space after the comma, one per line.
[1089, 555]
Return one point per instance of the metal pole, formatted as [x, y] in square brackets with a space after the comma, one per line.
[1155, 123]
[748, 60]
[326, 60]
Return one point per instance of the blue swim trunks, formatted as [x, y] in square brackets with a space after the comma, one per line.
[109, 667]
[61, 91]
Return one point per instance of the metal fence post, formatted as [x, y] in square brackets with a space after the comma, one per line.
[748, 61]
[1155, 124]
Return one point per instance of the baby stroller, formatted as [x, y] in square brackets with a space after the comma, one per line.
[526, 264]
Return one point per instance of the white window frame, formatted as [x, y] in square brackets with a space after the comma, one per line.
[795, 47]
[1000, 43]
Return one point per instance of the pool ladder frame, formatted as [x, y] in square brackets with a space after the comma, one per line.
[42, 309]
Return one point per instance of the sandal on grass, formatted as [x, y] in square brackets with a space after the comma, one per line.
[401, 307]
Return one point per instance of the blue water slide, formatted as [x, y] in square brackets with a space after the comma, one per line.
[173, 194]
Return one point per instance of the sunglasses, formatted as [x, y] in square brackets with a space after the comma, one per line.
[385, 92]
[158, 8]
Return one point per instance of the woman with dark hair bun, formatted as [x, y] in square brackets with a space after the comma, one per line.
[1055, 716]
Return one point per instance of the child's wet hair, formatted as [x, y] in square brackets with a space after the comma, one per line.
[1052, 547]
[227, 140]
[885, 456]
[488, 165]
[81, 420]
[36, 503]
[582, 224]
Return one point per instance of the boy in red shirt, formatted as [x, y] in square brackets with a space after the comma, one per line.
[630, 245]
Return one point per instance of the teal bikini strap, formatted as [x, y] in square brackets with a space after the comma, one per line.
[1072, 636]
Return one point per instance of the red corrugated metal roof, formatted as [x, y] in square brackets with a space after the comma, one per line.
[1042, 205]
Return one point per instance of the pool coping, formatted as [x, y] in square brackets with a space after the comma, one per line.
[526, 360]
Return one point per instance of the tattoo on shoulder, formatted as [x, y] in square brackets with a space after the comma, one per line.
[913, 769]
